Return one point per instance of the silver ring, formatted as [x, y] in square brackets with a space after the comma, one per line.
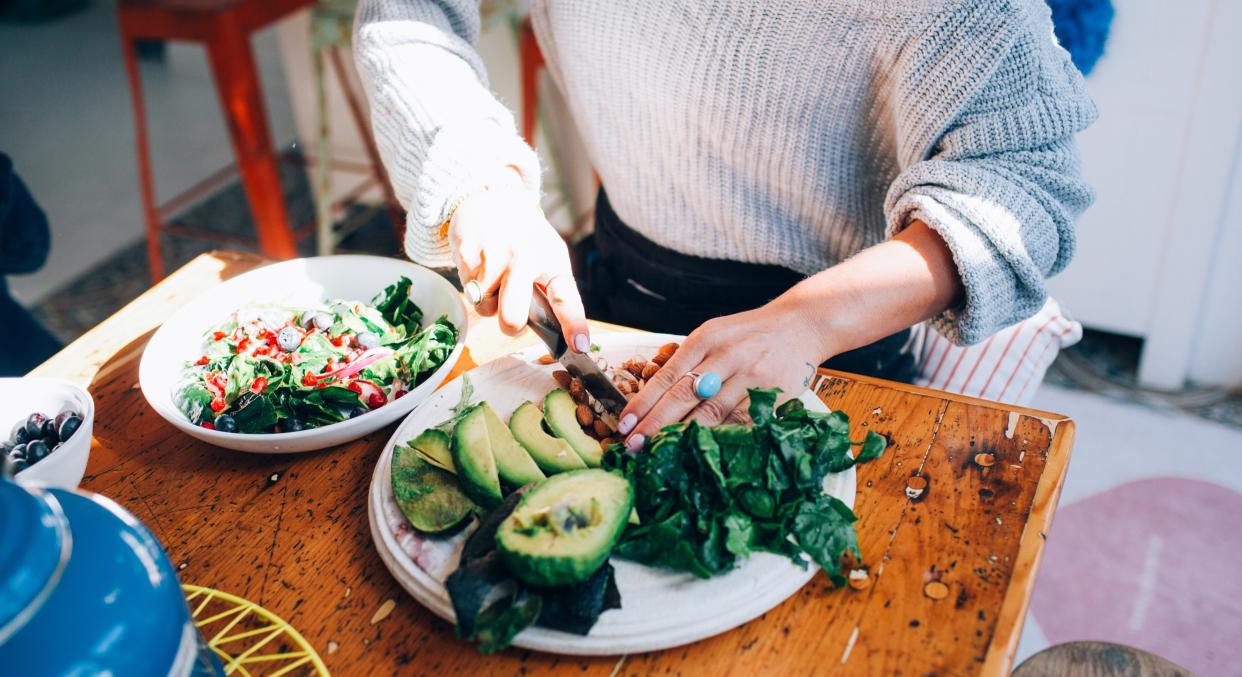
[704, 386]
[473, 292]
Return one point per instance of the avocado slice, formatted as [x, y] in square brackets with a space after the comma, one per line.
[430, 498]
[553, 454]
[565, 527]
[472, 455]
[434, 446]
[512, 462]
[560, 411]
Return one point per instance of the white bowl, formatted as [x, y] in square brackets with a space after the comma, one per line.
[21, 397]
[296, 282]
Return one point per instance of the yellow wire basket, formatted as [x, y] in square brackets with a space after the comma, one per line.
[248, 639]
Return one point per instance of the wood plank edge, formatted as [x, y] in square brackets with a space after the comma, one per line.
[944, 395]
[1008, 629]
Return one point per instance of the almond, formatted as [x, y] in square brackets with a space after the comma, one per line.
[562, 378]
[661, 358]
[668, 349]
[576, 391]
[585, 415]
[547, 359]
[649, 370]
[634, 366]
[625, 387]
[602, 428]
[610, 440]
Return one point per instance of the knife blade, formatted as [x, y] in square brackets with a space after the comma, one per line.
[543, 322]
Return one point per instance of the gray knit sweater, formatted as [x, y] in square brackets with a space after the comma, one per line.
[791, 133]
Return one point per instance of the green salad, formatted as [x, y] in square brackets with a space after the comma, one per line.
[268, 369]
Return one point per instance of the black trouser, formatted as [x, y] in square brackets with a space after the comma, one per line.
[629, 280]
[24, 244]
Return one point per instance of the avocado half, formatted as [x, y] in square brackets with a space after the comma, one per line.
[430, 498]
[565, 527]
[473, 457]
[560, 411]
[552, 454]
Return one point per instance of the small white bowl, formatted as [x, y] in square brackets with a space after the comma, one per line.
[21, 397]
[297, 282]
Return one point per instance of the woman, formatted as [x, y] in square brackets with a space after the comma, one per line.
[806, 180]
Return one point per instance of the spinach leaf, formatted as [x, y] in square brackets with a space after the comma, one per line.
[396, 307]
[708, 496]
[254, 413]
[824, 530]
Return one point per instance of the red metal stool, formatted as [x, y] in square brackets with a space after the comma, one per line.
[224, 28]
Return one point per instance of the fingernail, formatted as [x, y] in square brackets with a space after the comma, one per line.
[635, 442]
[626, 424]
[581, 343]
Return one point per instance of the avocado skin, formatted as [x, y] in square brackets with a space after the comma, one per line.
[472, 454]
[571, 559]
[430, 498]
[513, 463]
[552, 454]
[559, 411]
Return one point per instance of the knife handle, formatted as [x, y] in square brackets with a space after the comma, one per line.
[543, 322]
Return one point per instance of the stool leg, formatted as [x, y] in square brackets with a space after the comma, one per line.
[530, 61]
[323, 161]
[237, 81]
[395, 212]
[146, 184]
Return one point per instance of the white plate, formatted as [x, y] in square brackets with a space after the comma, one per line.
[660, 609]
[296, 282]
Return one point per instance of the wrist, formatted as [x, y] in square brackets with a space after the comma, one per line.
[506, 179]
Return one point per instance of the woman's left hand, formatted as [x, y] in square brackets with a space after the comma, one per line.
[776, 345]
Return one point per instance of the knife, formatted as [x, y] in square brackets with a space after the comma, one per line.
[579, 365]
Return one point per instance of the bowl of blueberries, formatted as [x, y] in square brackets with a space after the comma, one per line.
[46, 424]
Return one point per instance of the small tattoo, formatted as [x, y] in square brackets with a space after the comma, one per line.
[806, 383]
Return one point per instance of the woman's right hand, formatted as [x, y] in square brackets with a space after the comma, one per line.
[501, 239]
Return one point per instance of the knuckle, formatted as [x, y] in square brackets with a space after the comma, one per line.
[713, 410]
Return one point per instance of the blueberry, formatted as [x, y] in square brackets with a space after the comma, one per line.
[49, 433]
[367, 340]
[36, 450]
[288, 339]
[66, 427]
[34, 425]
[306, 319]
[291, 425]
[226, 424]
[358, 411]
[323, 321]
[16, 465]
[341, 309]
[18, 451]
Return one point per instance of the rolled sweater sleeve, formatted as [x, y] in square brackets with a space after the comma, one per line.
[440, 131]
[1000, 180]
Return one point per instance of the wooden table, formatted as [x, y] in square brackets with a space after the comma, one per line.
[291, 532]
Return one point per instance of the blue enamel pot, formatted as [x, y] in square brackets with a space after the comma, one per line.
[85, 589]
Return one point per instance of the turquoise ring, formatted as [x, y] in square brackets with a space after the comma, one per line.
[705, 385]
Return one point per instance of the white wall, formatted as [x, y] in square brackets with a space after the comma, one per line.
[1162, 158]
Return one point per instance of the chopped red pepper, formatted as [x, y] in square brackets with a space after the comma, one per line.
[398, 395]
[258, 385]
[308, 379]
[218, 404]
[243, 344]
[377, 400]
[341, 340]
[208, 425]
[218, 335]
[201, 361]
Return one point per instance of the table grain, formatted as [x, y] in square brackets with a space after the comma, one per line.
[291, 531]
